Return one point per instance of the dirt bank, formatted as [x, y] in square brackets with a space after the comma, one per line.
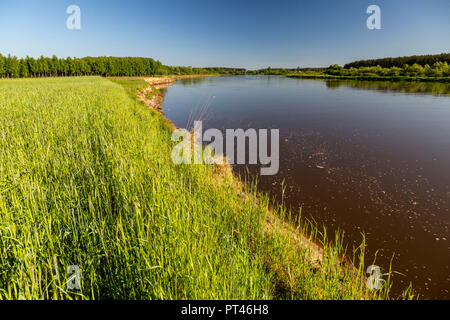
[158, 83]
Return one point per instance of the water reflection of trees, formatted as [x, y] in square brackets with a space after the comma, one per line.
[433, 88]
[191, 81]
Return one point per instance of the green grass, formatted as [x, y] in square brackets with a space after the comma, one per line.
[87, 179]
[151, 92]
[132, 85]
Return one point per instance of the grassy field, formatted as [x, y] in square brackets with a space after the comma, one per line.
[86, 179]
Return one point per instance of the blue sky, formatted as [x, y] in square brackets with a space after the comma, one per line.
[249, 34]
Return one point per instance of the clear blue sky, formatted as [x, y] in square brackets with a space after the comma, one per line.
[242, 33]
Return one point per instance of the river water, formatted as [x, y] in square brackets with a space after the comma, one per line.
[363, 157]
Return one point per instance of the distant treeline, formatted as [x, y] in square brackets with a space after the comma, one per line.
[265, 71]
[422, 60]
[13, 67]
[242, 71]
[436, 70]
[226, 71]
[283, 71]
[273, 71]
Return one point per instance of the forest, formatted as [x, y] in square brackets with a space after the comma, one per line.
[399, 62]
[13, 67]
[226, 70]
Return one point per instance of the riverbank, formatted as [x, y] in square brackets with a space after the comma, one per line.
[302, 235]
[152, 95]
[94, 186]
[155, 84]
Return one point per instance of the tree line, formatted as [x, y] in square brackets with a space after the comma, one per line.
[436, 70]
[226, 70]
[265, 71]
[399, 62]
[13, 67]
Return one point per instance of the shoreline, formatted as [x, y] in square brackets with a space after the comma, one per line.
[192, 231]
[275, 222]
[162, 82]
[303, 237]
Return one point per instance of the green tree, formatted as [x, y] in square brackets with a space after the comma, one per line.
[428, 71]
[23, 69]
[70, 67]
[12, 67]
[415, 70]
[63, 67]
[54, 66]
[334, 69]
[2, 66]
[32, 66]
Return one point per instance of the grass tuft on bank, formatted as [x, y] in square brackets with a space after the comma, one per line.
[86, 179]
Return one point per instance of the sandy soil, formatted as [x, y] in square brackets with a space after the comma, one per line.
[160, 83]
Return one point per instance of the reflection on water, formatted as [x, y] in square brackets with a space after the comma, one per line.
[373, 161]
[191, 81]
[433, 88]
